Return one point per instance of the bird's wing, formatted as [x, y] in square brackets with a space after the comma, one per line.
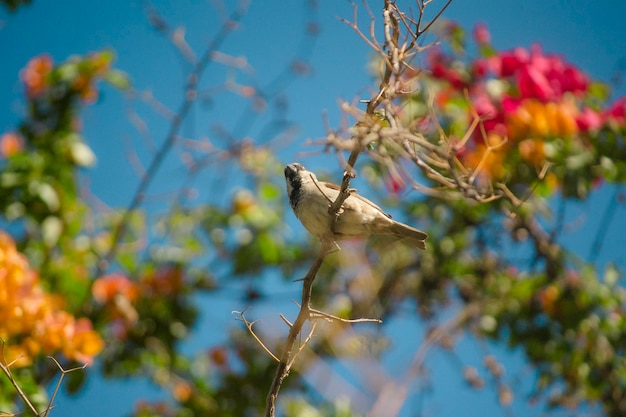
[332, 191]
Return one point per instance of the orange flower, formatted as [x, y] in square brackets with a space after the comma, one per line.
[548, 298]
[35, 75]
[487, 162]
[10, 144]
[534, 118]
[219, 356]
[29, 314]
[84, 342]
[106, 288]
[83, 84]
[532, 150]
[182, 391]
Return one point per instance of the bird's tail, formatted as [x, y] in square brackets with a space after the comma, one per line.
[409, 234]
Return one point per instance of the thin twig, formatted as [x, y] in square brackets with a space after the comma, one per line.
[58, 385]
[330, 317]
[249, 325]
[302, 345]
[7, 371]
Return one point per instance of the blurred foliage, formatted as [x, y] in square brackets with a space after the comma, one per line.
[546, 129]
[13, 5]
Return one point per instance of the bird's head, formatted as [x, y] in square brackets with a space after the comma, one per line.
[296, 176]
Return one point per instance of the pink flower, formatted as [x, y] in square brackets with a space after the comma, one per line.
[589, 120]
[539, 76]
[484, 107]
[532, 83]
[481, 34]
[559, 75]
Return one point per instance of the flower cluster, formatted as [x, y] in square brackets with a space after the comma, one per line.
[536, 109]
[78, 75]
[124, 300]
[34, 322]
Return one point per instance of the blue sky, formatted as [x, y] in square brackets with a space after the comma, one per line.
[589, 34]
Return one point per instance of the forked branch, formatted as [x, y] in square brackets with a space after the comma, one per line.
[394, 54]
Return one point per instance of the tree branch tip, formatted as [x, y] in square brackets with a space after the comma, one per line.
[282, 316]
[331, 318]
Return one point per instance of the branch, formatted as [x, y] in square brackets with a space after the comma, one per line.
[189, 97]
[58, 385]
[363, 133]
[284, 366]
[249, 325]
[6, 368]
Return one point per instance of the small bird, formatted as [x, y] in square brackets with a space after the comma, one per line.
[311, 199]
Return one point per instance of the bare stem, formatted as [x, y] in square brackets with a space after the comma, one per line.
[284, 366]
[7, 371]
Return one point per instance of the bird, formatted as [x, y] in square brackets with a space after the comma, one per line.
[358, 217]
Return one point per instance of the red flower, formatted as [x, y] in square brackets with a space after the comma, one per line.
[617, 111]
[480, 68]
[508, 63]
[440, 67]
[394, 183]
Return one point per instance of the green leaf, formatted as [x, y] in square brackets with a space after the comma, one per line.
[269, 191]
[118, 79]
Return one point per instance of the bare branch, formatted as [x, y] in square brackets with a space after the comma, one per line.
[320, 314]
[6, 368]
[249, 325]
[58, 385]
[284, 366]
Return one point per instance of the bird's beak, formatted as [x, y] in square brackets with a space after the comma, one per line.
[291, 170]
